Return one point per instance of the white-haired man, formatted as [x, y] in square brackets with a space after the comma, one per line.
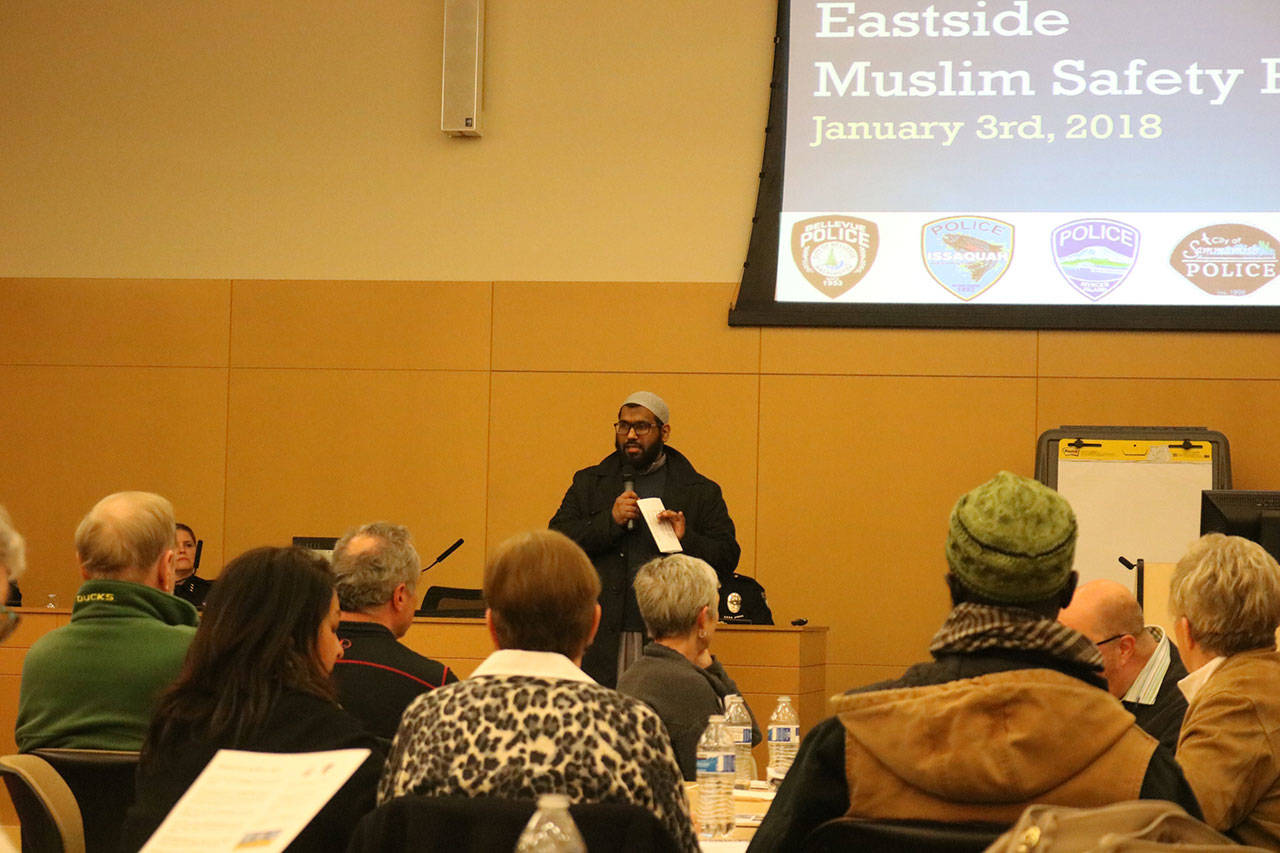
[600, 513]
[92, 684]
[377, 572]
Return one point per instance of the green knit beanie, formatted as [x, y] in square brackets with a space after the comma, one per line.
[1012, 540]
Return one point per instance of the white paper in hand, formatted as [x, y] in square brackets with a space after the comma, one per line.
[664, 535]
[253, 800]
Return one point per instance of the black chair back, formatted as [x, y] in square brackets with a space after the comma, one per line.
[452, 601]
[47, 810]
[484, 824]
[894, 836]
[102, 781]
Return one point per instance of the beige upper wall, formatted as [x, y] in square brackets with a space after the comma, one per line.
[300, 139]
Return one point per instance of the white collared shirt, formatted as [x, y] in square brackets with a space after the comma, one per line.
[1192, 684]
[1146, 687]
[536, 664]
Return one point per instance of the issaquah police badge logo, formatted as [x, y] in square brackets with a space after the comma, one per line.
[1226, 260]
[834, 252]
[1094, 255]
[967, 254]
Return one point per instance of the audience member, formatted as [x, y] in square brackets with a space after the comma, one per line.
[529, 721]
[187, 585]
[1012, 710]
[1225, 598]
[377, 572]
[92, 684]
[1141, 666]
[677, 675]
[258, 678]
[13, 560]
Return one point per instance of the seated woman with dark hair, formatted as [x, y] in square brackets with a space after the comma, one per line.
[1225, 596]
[677, 675]
[257, 677]
[529, 721]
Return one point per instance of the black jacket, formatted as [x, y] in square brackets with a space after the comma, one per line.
[378, 677]
[586, 516]
[298, 722]
[1163, 718]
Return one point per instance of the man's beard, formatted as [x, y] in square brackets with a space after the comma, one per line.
[645, 459]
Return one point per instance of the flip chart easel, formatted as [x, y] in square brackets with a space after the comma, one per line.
[1135, 491]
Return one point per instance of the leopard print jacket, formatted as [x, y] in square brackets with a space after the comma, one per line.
[522, 736]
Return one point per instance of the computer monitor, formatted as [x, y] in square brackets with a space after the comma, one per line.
[322, 545]
[1252, 514]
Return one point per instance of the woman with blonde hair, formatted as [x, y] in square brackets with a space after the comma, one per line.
[1225, 598]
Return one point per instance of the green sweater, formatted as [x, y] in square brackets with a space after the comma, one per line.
[92, 684]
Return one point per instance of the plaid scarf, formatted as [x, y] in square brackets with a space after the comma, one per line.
[980, 627]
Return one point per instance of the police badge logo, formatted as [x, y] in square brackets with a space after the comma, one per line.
[966, 254]
[1226, 260]
[1094, 255]
[834, 252]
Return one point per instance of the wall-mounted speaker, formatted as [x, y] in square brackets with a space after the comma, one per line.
[462, 87]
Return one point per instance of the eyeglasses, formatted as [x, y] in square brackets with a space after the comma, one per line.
[1112, 637]
[641, 427]
[8, 622]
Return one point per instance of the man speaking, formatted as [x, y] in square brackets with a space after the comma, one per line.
[600, 513]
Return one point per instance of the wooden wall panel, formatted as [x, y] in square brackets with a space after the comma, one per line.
[546, 426]
[662, 328]
[1164, 355]
[857, 478]
[75, 434]
[114, 321]
[315, 452]
[360, 324]
[898, 352]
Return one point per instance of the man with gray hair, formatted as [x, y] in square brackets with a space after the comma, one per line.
[600, 512]
[377, 570]
[92, 684]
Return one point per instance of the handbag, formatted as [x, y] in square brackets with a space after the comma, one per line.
[1135, 826]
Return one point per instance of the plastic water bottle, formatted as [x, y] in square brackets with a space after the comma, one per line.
[737, 719]
[784, 740]
[551, 829]
[715, 781]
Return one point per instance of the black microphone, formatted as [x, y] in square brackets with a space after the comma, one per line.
[629, 485]
[447, 552]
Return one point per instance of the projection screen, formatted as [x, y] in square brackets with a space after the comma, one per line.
[1020, 164]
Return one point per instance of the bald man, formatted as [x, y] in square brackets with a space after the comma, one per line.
[92, 684]
[1141, 666]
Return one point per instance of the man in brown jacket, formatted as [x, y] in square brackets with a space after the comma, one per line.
[1013, 710]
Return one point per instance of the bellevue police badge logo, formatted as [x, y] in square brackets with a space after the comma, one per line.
[834, 252]
[967, 254]
[1226, 260]
[1094, 255]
